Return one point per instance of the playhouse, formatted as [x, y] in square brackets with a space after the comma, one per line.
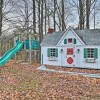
[20, 47]
[72, 48]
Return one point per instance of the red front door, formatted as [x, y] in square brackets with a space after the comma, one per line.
[70, 56]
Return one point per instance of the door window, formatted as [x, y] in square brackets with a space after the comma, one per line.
[70, 51]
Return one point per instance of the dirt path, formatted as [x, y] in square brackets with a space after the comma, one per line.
[66, 72]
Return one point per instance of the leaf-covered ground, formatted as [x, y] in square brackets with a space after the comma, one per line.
[24, 82]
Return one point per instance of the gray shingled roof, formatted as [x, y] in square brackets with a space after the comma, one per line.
[52, 39]
[88, 36]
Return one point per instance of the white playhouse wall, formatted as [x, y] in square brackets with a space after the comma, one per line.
[81, 61]
[59, 60]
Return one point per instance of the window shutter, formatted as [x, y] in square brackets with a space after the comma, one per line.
[85, 53]
[65, 41]
[95, 53]
[74, 41]
[56, 52]
[48, 52]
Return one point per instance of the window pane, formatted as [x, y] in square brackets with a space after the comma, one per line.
[92, 56]
[90, 52]
[53, 52]
[70, 51]
[70, 40]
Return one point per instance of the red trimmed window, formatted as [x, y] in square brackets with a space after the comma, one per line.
[70, 51]
[70, 40]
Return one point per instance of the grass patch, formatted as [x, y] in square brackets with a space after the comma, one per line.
[22, 86]
[24, 80]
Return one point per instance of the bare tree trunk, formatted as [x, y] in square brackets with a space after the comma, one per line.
[63, 26]
[83, 19]
[59, 18]
[45, 16]
[1, 6]
[48, 16]
[80, 14]
[39, 17]
[41, 27]
[27, 18]
[94, 12]
[34, 17]
[88, 4]
[39, 13]
[54, 15]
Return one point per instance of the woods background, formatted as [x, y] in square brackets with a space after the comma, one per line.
[38, 15]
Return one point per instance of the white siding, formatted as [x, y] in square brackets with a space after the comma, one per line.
[80, 60]
[58, 62]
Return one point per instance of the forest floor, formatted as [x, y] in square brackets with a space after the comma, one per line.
[25, 82]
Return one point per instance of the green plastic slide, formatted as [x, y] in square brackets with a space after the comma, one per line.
[8, 55]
